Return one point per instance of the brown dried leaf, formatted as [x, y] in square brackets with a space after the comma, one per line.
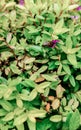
[59, 91]
[1, 39]
[40, 79]
[28, 60]
[55, 104]
[48, 107]
[7, 70]
[51, 98]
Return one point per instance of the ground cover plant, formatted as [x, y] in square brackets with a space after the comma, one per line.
[40, 65]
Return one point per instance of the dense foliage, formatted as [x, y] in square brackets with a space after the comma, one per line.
[40, 65]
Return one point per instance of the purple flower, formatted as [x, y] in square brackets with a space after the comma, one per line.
[74, 17]
[78, 8]
[54, 42]
[51, 44]
[21, 2]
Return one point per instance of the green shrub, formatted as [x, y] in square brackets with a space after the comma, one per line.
[40, 65]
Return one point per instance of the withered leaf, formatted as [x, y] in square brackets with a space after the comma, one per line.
[59, 91]
[55, 104]
[40, 79]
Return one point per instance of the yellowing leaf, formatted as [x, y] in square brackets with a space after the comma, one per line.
[78, 77]
[37, 113]
[28, 60]
[19, 103]
[8, 93]
[74, 6]
[65, 4]
[56, 118]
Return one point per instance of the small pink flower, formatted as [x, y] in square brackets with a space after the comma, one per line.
[74, 17]
[21, 2]
[78, 8]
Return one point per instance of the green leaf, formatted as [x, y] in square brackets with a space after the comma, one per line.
[68, 42]
[29, 97]
[35, 48]
[20, 119]
[6, 105]
[9, 116]
[56, 118]
[31, 125]
[50, 77]
[28, 83]
[4, 127]
[34, 31]
[40, 88]
[15, 69]
[61, 31]
[79, 54]
[51, 65]
[3, 80]
[42, 69]
[32, 95]
[59, 24]
[66, 123]
[77, 32]
[74, 50]
[18, 111]
[78, 96]
[72, 80]
[72, 59]
[78, 77]
[47, 33]
[34, 76]
[44, 124]
[40, 17]
[59, 69]
[2, 112]
[20, 127]
[64, 49]
[66, 77]
[74, 121]
[67, 69]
